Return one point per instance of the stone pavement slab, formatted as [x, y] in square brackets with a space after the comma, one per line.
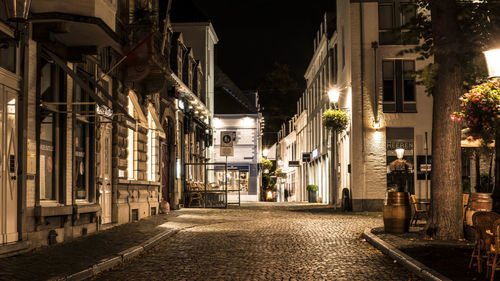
[266, 242]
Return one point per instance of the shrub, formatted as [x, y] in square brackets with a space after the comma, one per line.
[267, 164]
[312, 187]
[335, 119]
[478, 110]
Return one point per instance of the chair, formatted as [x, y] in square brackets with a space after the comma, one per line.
[482, 221]
[493, 261]
[419, 213]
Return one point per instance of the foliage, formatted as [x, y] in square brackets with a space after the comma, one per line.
[336, 120]
[479, 24]
[478, 110]
[268, 182]
[279, 173]
[267, 164]
[312, 187]
[278, 94]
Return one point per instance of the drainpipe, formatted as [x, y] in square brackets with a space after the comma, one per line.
[375, 92]
[362, 60]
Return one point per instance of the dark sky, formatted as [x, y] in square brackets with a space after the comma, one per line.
[255, 34]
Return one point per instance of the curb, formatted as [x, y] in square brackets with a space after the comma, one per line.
[120, 258]
[408, 262]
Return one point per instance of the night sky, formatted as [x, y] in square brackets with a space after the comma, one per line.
[255, 34]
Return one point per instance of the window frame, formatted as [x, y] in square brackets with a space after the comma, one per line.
[399, 105]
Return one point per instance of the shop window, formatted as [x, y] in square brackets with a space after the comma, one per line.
[394, 16]
[152, 149]
[50, 134]
[399, 86]
[82, 136]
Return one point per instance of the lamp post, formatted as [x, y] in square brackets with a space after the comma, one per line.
[493, 62]
[333, 96]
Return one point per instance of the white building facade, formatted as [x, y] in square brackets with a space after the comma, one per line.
[247, 152]
[358, 54]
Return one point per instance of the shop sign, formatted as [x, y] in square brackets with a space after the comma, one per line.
[392, 145]
[104, 111]
[293, 164]
[306, 156]
[315, 153]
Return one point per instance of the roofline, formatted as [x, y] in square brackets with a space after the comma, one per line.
[203, 23]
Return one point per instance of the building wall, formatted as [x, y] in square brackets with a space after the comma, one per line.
[369, 168]
[246, 147]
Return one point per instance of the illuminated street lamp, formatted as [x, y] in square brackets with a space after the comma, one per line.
[493, 61]
[265, 152]
[334, 95]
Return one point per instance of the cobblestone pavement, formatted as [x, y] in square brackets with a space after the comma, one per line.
[263, 242]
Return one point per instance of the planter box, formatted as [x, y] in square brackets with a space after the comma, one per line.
[313, 196]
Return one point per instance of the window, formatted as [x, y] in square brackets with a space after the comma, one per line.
[152, 149]
[82, 136]
[130, 144]
[399, 86]
[51, 82]
[394, 15]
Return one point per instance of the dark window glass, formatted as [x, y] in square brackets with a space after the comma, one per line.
[47, 155]
[388, 81]
[8, 57]
[385, 17]
[409, 80]
[80, 141]
[408, 12]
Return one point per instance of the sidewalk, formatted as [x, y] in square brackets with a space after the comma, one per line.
[87, 256]
[429, 259]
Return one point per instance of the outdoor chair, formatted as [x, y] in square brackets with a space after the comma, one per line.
[493, 261]
[482, 222]
[419, 213]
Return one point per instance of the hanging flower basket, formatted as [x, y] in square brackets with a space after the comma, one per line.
[478, 110]
[335, 119]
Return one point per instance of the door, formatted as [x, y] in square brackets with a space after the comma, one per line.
[8, 165]
[105, 187]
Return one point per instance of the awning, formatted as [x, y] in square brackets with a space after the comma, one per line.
[154, 114]
[143, 121]
[86, 87]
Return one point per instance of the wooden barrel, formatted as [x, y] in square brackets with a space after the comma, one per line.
[481, 202]
[397, 212]
[478, 202]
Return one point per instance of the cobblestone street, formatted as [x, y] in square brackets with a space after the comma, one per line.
[265, 242]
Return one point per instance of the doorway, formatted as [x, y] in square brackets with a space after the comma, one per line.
[105, 189]
[8, 165]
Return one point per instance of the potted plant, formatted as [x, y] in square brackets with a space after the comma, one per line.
[335, 119]
[312, 190]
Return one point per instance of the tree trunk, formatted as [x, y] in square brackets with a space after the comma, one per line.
[445, 221]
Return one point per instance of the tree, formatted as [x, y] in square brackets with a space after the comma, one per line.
[278, 94]
[455, 34]
[446, 185]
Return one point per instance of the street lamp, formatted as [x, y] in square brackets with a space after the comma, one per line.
[265, 152]
[334, 95]
[493, 62]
